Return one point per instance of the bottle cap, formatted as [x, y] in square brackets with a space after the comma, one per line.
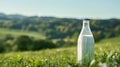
[85, 21]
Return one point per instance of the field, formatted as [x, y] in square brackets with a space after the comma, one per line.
[107, 54]
[4, 32]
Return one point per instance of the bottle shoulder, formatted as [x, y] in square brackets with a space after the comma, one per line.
[86, 31]
[81, 36]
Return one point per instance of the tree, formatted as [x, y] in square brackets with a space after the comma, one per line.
[23, 43]
[2, 48]
[43, 44]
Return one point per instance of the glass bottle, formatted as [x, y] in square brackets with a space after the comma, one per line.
[85, 45]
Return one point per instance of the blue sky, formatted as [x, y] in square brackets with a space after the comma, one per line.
[63, 8]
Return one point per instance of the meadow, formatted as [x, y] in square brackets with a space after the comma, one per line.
[4, 32]
[107, 54]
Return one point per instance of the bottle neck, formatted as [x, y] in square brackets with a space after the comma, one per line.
[86, 24]
[86, 28]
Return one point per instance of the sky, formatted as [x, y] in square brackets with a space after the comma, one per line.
[63, 8]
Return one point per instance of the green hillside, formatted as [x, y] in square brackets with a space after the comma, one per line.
[60, 28]
[16, 33]
[107, 53]
[113, 43]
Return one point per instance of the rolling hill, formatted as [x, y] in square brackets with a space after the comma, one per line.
[60, 28]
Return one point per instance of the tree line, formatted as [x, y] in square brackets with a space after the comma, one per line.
[24, 43]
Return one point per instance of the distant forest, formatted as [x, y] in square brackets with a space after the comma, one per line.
[62, 29]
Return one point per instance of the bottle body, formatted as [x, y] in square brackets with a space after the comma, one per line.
[85, 45]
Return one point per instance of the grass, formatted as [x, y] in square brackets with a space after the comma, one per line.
[107, 53]
[110, 43]
[16, 33]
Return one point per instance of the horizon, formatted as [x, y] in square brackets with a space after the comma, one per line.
[59, 17]
[63, 9]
